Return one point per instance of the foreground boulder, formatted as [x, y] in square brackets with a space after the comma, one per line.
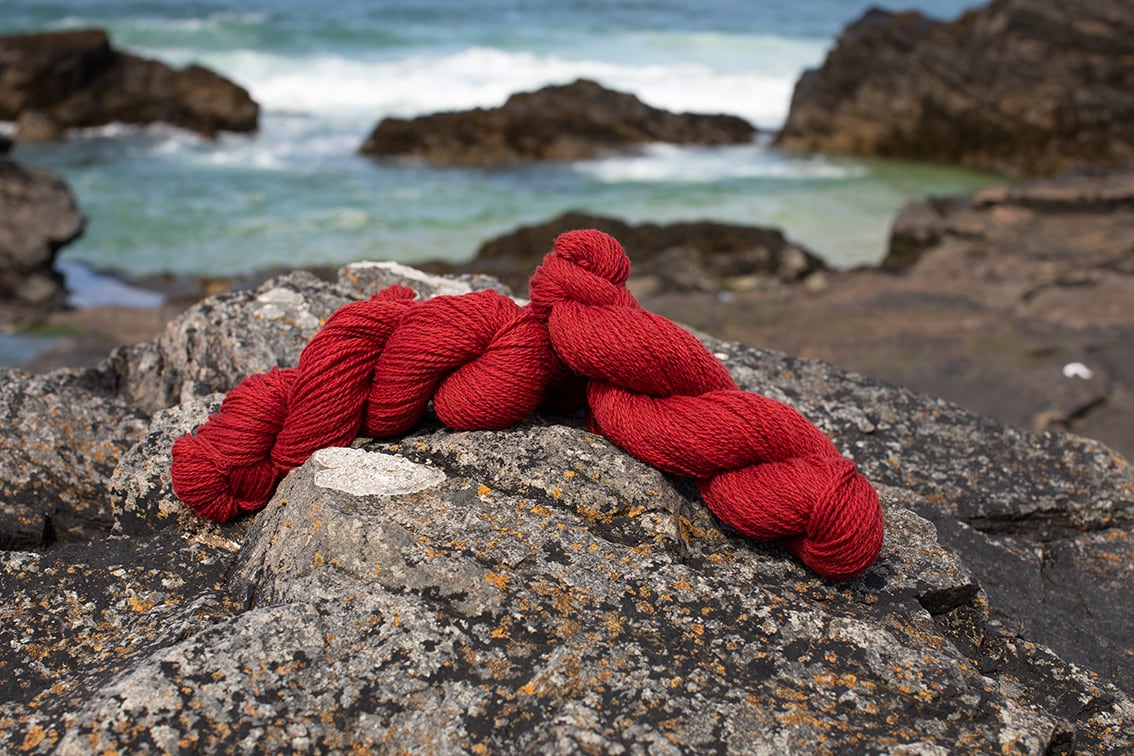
[1025, 87]
[537, 589]
[568, 122]
[38, 216]
[699, 255]
[54, 81]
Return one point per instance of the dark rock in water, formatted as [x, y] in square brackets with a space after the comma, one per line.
[54, 81]
[5, 145]
[567, 122]
[536, 589]
[699, 255]
[1025, 87]
[38, 216]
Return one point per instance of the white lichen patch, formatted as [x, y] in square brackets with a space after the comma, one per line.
[441, 285]
[362, 473]
[281, 296]
[285, 304]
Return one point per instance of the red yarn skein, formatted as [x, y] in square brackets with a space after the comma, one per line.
[486, 363]
[655, 391]
[372, 370]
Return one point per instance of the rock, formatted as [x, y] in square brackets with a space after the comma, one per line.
[35, 126]
[537, 589]
[54, 81]
[567, 122]
[1018, 247]
[62, 438]
[38, 216]
[1025, 87]
[700, 255]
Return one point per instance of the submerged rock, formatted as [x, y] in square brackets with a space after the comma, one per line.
[538, 589]
[565, 122]
[54, 81]
[1025, 87]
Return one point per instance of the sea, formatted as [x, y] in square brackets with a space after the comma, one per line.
[297, 193]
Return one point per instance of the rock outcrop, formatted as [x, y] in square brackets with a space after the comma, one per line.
[537, 589]
[38, 216]
[698, 255]
[1025, 87]
[567, 122]
[54, 81]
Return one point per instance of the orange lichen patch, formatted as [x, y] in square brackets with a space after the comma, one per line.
[832, 679]
[483, 490]
[496, 579]
[690, 531]
[528, 689]
[318, 560]
[614, 623]
[503, 630]
[35, 736]
[556, 493]
[140, 606]
[800, 715]
[569, 474]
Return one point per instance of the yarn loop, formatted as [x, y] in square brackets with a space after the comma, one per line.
[486, 363]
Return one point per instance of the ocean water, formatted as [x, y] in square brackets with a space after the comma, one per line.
[297, 193]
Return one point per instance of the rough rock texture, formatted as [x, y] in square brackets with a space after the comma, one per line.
[996, 301]
[38, 216]
[537, 590]
[694, 256]
[566, 122]
[61, 435]
[54, 81]
[1026, 87]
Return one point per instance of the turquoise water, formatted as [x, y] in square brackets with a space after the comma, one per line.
[296, 193]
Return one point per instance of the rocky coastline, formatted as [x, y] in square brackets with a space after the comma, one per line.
[538, 589]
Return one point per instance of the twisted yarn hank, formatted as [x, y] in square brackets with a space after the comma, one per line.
[486, 363]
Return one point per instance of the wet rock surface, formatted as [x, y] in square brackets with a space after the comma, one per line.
[538, 589]
[54, 81]
[562, 122]
[1025, 87]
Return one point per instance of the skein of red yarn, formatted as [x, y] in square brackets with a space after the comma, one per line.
[486, 363]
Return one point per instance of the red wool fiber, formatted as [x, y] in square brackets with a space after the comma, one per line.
[486, 363]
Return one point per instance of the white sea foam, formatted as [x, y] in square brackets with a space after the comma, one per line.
[333, 85]
[680, 164]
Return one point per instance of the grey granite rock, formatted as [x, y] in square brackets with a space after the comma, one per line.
[61, 436]
[535, 589]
